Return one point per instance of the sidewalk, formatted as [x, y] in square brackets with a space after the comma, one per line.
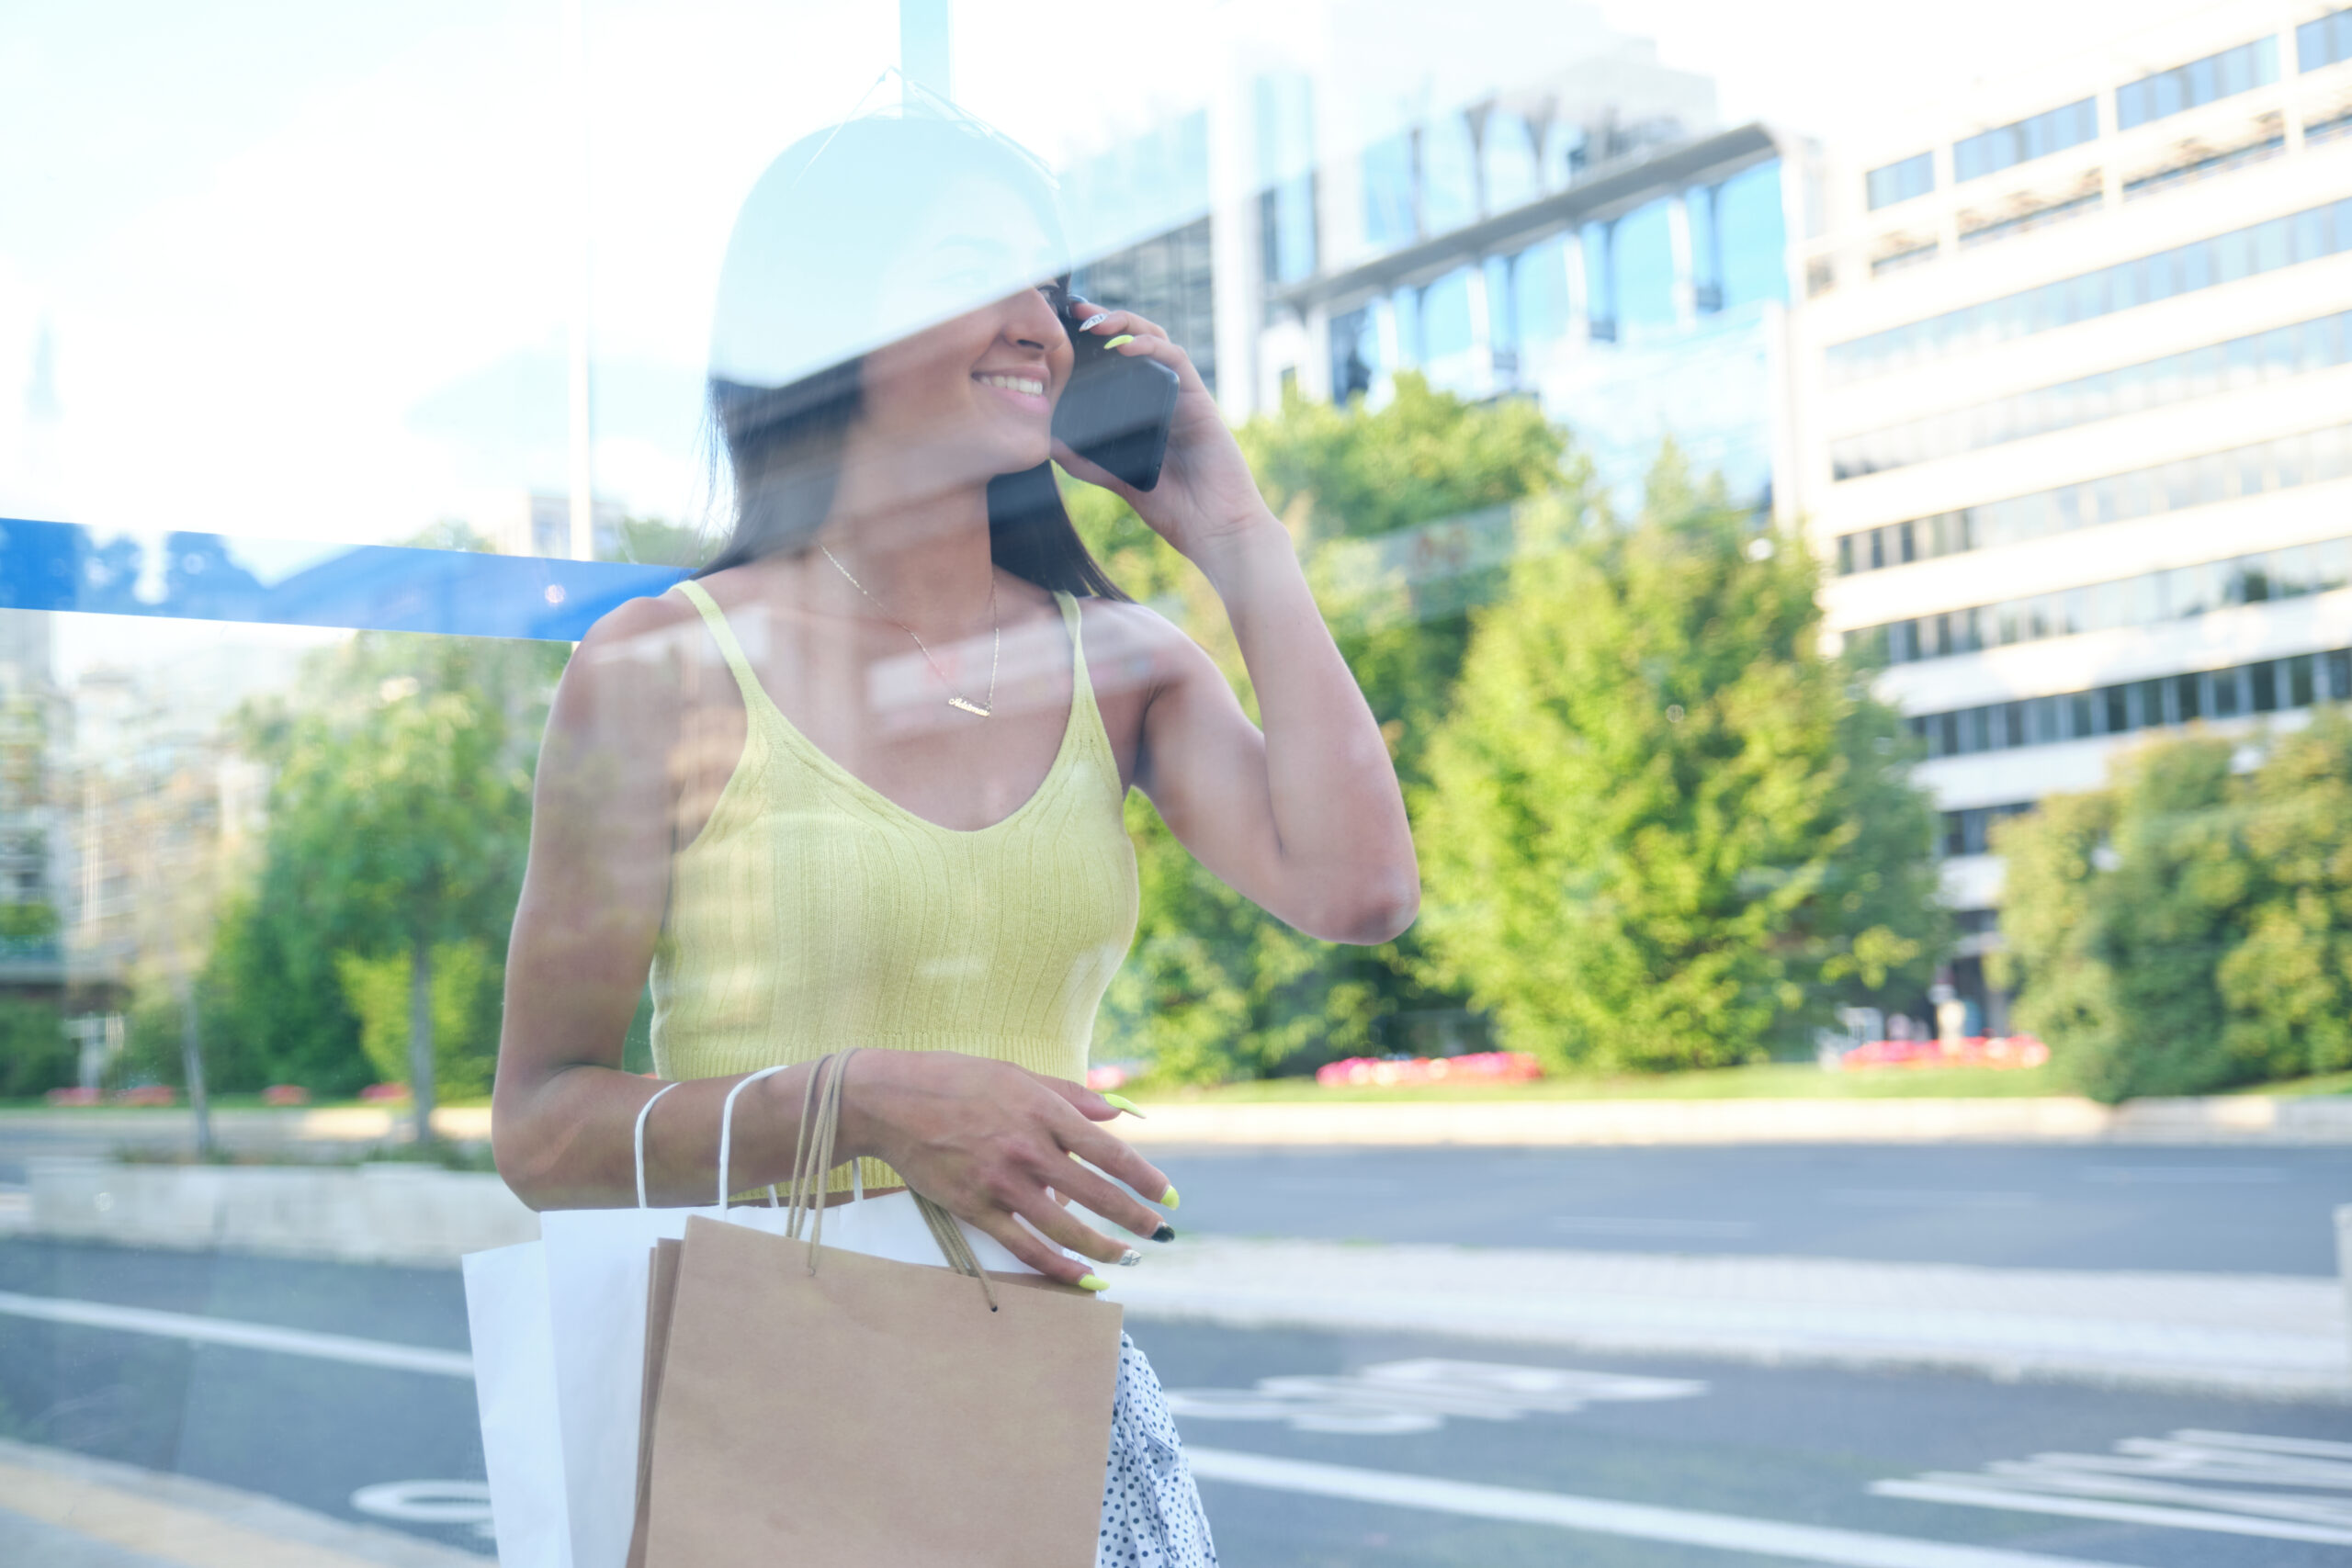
[2260, 1335]
[62, 1510]
[1526, 1121]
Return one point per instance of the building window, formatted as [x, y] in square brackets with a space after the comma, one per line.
[1445, 316]
[1641, 267]
[1600, 282]
[2281, 241]
[2177, 594]
[2113, 711]
[1980, 233]
[1538, 288]
[2323, 40]
[1752, 237]
[1900, 181]
[1507, 150]
[1355, 351]
[2217, 77]
[1448, 175]
[2281, 353]
[2006, 146]
[1287, 230]
[1388, 168]
[1898, 260]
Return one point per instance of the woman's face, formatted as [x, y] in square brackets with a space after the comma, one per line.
[973, 395]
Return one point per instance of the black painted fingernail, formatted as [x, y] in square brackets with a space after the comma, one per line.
[1165, 1233]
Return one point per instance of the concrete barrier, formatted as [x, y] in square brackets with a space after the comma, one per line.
[375, 1214]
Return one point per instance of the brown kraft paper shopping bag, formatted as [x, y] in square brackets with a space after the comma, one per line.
[815, 1407]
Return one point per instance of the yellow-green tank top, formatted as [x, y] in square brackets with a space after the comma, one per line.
[813, 913]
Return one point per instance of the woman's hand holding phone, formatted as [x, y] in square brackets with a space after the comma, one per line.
[1207, 496]
[989, 1141]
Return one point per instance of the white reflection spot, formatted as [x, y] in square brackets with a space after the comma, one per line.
[555, 593]
[427, 1503]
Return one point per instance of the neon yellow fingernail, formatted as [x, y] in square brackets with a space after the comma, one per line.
[1123, 337]
[1094, 1282]
[1168, 1199]
[1121, 1102]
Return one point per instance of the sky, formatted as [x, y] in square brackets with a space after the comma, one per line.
[306, 271]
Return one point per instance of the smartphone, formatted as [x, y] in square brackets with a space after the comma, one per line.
[1115, 411]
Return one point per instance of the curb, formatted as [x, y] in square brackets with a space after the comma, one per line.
[2249, 1335]
[2219, 1119]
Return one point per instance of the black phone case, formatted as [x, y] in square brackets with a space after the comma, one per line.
[1115, 412]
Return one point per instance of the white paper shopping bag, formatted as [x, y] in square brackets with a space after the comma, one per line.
[521, 1441]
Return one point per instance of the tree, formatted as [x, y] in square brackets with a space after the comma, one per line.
[1660, 828]
[2189, 927]
[398, 819]
[1215, 987]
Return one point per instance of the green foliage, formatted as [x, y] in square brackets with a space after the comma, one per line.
[35, 1055]
[465, 986]
[1215, 987]
[2189, 928]
[398, 819]
[1660, 829]
[32, 921]
[652, 542]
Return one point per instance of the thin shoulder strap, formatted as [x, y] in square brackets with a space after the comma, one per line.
[1081, 684]
[724, 636]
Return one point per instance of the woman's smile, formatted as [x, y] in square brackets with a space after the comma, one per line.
[1024, 387]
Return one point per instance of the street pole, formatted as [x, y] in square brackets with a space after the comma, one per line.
[192, 1062]
[581, 470]
[923, 45]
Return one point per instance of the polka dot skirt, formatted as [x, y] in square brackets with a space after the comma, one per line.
[1151, 1510]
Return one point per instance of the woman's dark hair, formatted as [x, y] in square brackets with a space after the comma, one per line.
[812, 234]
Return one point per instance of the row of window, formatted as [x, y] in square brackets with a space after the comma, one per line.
[2152, 97]
[2270, 687]
[1970, 832]
[2323, 40]
[1433, 179]
[2285, 462]
[2250, 360]
[2179, 593]
[2143, 280]
[1735, 240]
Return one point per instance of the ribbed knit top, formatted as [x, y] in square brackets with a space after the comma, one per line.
[812, 912]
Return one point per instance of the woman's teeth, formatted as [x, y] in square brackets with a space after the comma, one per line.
[1013, 384]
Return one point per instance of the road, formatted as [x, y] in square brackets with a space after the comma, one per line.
[2246, 1209]
[1782, 1454]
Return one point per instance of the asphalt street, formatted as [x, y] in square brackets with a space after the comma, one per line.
[2246, 1209]
[1313, 1468]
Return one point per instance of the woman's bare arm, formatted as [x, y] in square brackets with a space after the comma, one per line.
[984, 1138]
[1305, 818]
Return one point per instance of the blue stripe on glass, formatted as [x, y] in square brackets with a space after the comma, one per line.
[216, 577]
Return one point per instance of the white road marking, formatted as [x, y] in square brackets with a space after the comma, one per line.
[2184, 1175]
[1989, 1496]
[1393, 1397]
[1642, 1521]
[244, 1336]
[429, 1503]
[2232, 1483]
[1902, 1197]
[1636, 1225]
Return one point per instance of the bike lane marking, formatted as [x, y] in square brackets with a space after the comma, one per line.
[244, 1336]
[1601, 1516]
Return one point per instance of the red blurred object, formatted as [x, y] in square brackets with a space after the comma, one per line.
[286, 1094]
[1483, 1066]
[378, 1094]
[1976, 1051]
[73, 1097]
[149, 1094]
[1107, 1076]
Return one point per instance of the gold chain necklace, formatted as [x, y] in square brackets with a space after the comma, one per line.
[955, 699]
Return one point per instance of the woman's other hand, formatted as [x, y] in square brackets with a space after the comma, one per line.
[985, 1140]
[1206, 494]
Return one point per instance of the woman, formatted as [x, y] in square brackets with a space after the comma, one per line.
[860, 783]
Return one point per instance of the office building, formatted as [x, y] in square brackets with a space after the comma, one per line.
[2076, 392]
[1580, 231]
